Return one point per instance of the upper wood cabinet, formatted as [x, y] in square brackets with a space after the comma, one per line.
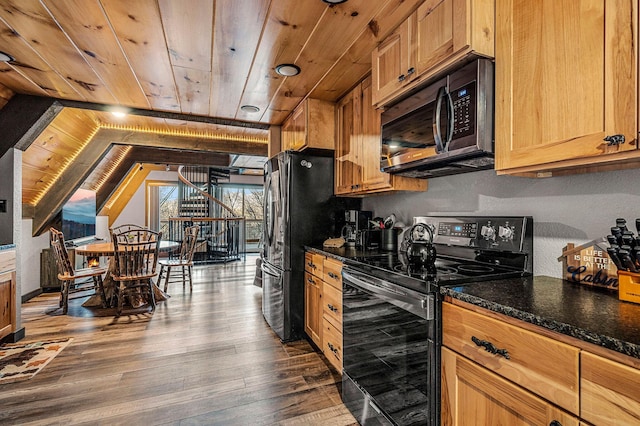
[357, 154]
[438, 34]
[311, 125]
[566, 80]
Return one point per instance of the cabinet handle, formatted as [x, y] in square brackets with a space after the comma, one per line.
[332, 275]
[332, 308]
[332, 348]
[614, 140]
[555, 423]
[402, 77]
[411, 71]
[310, 280]
[311, 265]
[489, 347]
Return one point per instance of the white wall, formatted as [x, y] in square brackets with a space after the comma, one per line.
[134, 211]
[30, 248]
[575, 209]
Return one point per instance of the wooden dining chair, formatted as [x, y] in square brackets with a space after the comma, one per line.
[125, 228]
[74, 280]
[184, 261]
[135, 259]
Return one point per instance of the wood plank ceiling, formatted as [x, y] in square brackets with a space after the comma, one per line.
[200, 59]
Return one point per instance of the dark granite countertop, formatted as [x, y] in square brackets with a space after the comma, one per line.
[590, 314]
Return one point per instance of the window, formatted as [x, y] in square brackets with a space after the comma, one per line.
[246, 201]
[162, 203]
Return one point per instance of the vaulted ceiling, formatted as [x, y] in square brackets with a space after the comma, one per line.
[181, 68]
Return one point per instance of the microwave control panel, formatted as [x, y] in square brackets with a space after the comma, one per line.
[464, 110]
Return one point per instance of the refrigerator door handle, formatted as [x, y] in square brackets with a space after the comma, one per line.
[269, 270]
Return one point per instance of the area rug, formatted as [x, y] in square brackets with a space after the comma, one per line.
[23, 361]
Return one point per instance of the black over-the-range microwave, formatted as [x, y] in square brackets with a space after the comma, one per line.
[443, 129]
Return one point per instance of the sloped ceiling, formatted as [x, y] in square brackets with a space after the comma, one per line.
[182, 68]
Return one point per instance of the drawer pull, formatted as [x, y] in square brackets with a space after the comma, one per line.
[332, 275]
[310, 280]
[332, 308]
[332, 348]
[311, 265]
[489, 347]
[555, 423]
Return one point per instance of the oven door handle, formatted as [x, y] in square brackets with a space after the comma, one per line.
[367, 283]
[419, 304]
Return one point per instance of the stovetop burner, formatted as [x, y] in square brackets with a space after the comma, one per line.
[446, 271]
[475, 269]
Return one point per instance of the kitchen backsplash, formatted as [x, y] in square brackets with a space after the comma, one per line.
[576, 208]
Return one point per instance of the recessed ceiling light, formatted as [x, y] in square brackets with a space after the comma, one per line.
[334, 1]
[5, 57]
[288, 70]
[250, 108]
[119, 112]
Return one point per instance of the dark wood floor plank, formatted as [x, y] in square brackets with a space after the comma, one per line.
[203, 357]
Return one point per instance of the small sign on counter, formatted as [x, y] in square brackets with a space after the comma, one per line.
[589, 264]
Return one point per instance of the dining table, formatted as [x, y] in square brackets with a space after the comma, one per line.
[106, 249]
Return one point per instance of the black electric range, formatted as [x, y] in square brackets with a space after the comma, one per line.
[392, 317]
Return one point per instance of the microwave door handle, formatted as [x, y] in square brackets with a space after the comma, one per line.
[450, 120]
[437, 132]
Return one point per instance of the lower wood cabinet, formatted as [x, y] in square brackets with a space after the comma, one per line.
[313, 264]
[473, 395]
[313, 307]
[323, 305]
[497, 372]
[7, 292]
[609, 391]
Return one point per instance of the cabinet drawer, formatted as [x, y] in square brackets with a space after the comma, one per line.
[540, 364]
[332, 273]
[610, 392]
[311, 279]
[332, 304]
[313, 263]
[332, 344]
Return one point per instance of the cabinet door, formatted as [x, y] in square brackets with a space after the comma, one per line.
[566, 78]
[6, 288]
[390, 62]
[439, 32]
[313, 308]
[472, 395]
[372, 177]
[347, 172]
[298, 128]
[609, 391]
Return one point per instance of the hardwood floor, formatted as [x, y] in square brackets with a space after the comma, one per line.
[206, 357]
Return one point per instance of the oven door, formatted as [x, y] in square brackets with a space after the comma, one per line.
[390, 352]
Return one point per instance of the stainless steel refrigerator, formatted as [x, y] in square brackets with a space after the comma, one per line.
[299, 210]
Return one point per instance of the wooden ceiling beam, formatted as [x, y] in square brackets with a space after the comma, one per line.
[156, 156]
[23, 118]
[164, 114]
[68, 182]
[192, 143]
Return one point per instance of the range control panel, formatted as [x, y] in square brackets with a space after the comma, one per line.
[486, 232]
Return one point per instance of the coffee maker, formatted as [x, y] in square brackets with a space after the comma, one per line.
[355, 222]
